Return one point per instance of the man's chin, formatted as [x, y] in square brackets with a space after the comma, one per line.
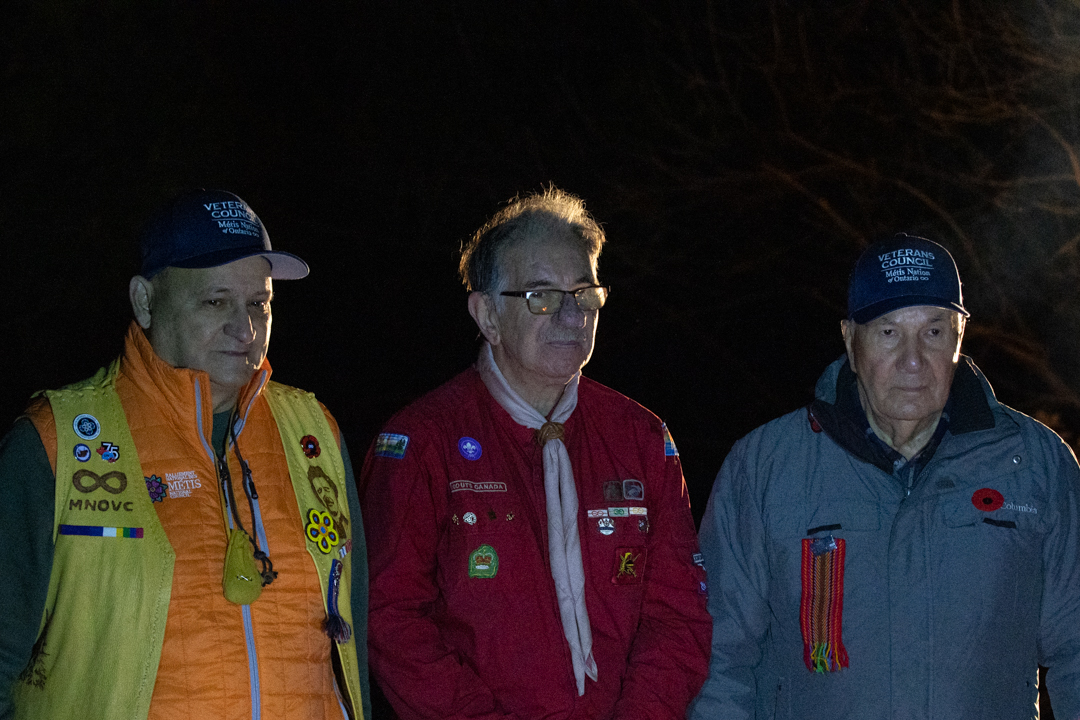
[232, 380]
[566, 369]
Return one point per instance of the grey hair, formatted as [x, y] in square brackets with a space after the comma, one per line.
[552, 212]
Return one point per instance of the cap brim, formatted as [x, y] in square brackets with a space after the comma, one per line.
[871, 312]
[283, 265]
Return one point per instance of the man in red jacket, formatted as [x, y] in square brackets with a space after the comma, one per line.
[531, 548]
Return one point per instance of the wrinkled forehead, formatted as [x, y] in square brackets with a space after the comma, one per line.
[246, 276]
[542, 258]
[918, 314]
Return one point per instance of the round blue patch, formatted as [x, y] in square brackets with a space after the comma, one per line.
[469, 448]
[87, 426]
[82, 453]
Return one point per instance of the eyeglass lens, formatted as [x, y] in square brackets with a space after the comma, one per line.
[548, 302]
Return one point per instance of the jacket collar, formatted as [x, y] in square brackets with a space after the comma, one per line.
[838, 412]
[181, 393]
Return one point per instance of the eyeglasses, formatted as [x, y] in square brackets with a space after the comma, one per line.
[548, 302]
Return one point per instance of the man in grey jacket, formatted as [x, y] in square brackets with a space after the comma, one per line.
[904, 547]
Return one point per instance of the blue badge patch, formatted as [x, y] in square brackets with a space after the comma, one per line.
[469, 448]
[391, 445]
[669, 445]
[82, 452]
[87, 426]
[633, 490]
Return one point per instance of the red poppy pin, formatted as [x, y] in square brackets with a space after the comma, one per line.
[987, 499]
[310, 446]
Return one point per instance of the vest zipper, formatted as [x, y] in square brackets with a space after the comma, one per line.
[253, 664]
[245, 610]
[249, 484]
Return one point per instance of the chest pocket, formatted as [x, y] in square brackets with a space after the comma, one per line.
[858, 523]
[487, 539]
[962, 512]
[836, 517]
[993, 559]
[1009, 531]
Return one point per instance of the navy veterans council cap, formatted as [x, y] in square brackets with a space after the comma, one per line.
[208, 228]
[901, 272]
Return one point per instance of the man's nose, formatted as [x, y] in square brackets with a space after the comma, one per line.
[240, 326]
[570, 314]
[911, 357]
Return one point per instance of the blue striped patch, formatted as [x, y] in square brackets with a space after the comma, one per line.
[669, 445]
[101, 531]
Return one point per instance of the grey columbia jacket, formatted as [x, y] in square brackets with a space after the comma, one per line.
[954, 585]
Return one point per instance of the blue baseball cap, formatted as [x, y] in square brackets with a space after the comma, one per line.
[903, 271]
[208, 228]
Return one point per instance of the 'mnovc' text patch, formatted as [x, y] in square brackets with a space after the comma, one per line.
[391, 445]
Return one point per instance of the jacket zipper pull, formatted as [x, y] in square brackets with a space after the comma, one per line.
[223, 472]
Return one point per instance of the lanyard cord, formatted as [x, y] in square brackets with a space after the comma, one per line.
[268, 573]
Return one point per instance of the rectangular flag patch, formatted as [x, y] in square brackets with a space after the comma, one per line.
[391, 445]
[101, 531]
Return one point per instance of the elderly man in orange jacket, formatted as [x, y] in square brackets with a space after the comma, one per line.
[170, 549]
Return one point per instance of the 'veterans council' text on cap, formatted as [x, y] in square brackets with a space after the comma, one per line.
[207, 228]
[903, 271]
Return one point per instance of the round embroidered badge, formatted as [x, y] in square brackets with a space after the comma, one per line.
[987, 499]
[469, 448]
[310, 446]
[87, 426]
[81, 452]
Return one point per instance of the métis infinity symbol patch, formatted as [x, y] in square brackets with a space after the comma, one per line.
[99, 481]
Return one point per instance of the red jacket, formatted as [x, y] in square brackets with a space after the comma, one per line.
[446, 641]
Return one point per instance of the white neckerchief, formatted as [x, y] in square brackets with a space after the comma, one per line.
[564, 543]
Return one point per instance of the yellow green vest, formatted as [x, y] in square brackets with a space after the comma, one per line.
[104, 620]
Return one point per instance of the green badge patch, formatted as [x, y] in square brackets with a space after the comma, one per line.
[483, 562]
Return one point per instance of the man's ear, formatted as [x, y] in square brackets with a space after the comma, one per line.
[961, 325]
[847, 329]
[141, 294]
[482, 309]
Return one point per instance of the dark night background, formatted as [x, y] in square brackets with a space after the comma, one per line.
[740, 155]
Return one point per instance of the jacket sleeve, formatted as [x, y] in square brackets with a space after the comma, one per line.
[733, 543]
[420, 675]
[26, 516]
[1059, 632]
[359, 590]
[669, 656]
